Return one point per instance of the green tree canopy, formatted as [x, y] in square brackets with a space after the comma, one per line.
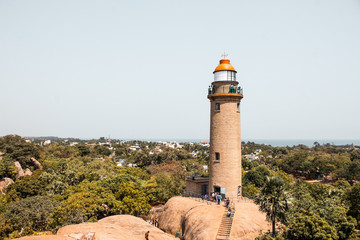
[309, 226]
[257, 176]
[353, 199]
[133, 200]
[18, 149]
[30, 214]
[85, 201]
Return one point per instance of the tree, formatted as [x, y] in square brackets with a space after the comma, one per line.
[133, 200]
[16, 148]
[26, 186]
[83, 202]
[83, 150]
[60, 151]
[294, 161]
[248, 165]
[306, 225]
[170, 178]
[336, 217]
[30, 214]
[250, 191]
[273, 200]
[342, 185]
[353, 171]
[355, 155]
[7, 168]
[257, 176]
[353, 199]
[102, 150]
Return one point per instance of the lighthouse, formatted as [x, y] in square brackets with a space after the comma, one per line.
[225, 95]
[224, 178]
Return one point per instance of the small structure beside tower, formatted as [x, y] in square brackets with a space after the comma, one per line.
[224, 178]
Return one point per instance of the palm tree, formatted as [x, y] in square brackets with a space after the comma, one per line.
[273, 200]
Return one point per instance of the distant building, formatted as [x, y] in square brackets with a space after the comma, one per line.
[205, 144]
[251, 157]
[120, 162]
[134, 148]
[158, 150]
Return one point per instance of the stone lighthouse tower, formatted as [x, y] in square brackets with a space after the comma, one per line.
[225, 95]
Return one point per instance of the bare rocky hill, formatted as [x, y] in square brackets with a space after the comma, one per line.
[201, 220]
[119, 227]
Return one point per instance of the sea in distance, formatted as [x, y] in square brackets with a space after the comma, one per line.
[274, 142]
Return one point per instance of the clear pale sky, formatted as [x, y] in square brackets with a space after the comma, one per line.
[140, 69]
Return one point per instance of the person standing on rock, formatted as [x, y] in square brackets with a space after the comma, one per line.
[219, 198]
[147, 235]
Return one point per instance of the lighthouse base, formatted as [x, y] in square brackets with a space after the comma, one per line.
[196, 186]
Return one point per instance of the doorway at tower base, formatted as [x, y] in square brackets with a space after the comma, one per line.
[197, 186]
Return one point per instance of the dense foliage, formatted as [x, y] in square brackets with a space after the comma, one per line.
[318, 196]
[81, 181]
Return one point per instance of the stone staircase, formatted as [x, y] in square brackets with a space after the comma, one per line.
[225, 226]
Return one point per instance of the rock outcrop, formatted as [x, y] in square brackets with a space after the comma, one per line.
[4, 183]
[171, 217]
[119, 227]
[36, 163]
[27, 172]
[20, 171]
[248, 221]
[201, 220]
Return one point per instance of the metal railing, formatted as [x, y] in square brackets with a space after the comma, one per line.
[231, 89]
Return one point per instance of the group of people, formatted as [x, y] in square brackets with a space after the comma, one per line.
[218, 198]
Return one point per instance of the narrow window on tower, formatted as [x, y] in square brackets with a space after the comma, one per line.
[238, 107]
[217, 106]
[217, 156]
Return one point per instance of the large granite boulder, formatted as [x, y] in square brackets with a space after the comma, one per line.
[36, 163]
[4, 183]
[119, 227]
[20, 170]
[201, 220]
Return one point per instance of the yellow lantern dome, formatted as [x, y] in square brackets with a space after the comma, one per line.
[224, 66]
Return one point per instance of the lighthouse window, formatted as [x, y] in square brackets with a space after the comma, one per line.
[238, 107]
[217, 156]
[230, 76]
[217, 106]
